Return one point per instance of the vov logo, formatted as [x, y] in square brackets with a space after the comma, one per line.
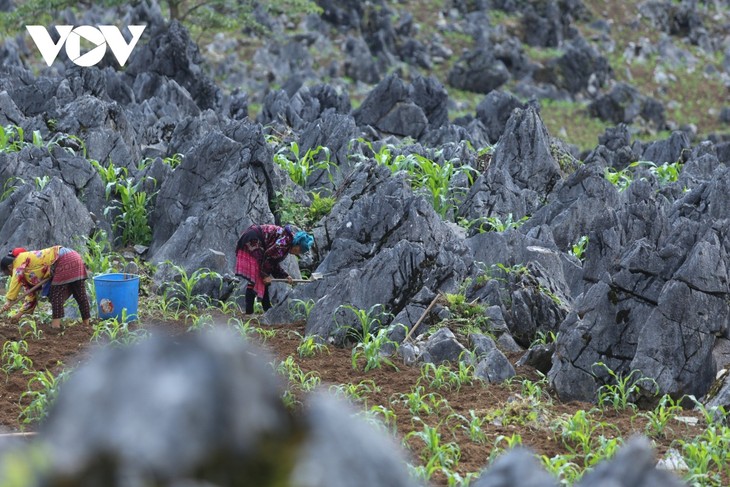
[101, 36]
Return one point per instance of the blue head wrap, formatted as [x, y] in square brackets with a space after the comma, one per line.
[303, 240]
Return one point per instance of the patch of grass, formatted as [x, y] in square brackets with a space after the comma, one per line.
[571, 122]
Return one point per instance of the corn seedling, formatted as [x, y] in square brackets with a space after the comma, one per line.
[10, 185]
[116, 332]
[620, 179]
[603, 449]
[421, 474]
[658, 419]
[97, 253]
[619, 394]
[355, 392]
[41, 392]
[14, 358]
[300, 167]
[201, 322]
[578, 249]
[265, 333]
[442, 377]
[372, 338]
[300, 308]
[578, 432]
[109, 175]
[496, 224]
[248, 329]
[503, 443]
[295, 375]
[454, 479]
[227, 307]
[435, 453]
[131, 213]
[309, 346]
[28, 327]
[420, 403]
[666, 173]
[180, 292]
[473, 425]
[41, 182]
[544, 338]
[371, 349]
[707, 456]
[12, 138]
[562, 467]
[290, 400]
[381, 417]
[461, 308]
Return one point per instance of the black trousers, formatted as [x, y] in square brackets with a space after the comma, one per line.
[251, 295]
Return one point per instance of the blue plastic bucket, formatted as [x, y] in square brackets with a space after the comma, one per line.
[117, 292]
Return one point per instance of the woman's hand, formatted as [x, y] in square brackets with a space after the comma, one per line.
[267, 280]
[289, 279]
[6, 307]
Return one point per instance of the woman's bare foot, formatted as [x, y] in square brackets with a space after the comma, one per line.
[56, 324]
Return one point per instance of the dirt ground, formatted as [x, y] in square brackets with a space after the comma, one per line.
[69, 347]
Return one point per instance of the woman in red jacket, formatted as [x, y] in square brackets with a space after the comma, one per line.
[259, 254]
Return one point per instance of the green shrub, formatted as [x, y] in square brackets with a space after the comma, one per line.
[300, 167]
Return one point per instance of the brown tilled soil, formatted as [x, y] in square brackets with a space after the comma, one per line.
[68, 348]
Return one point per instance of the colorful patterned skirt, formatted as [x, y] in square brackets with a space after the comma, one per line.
[69, 267]
[248, 267]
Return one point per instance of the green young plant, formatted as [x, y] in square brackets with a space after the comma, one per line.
[619, 394]
[96, 251]
[300, 167]
[12, 138]
[372, 337]
[435, 452]
[309, 346]
[442, 377]
[666, 173]
[382, 417]
[470, 316]
[420, 403]
[10, 186]
[117, 332]
[577, 432]
[174, 160]
[40, 395]
[14, 356]
[603, 449]
[132, 213]
[355, 392]
[180, 291]
[658, 419]
[28, 327]
[563, 467]
[496, 224]
[544, 338]
[201, 322]
[620, 179]
[300, 308]
[110, 175]
[474, 427]
[535, 391]
[248, 329]
[320, 207]
[578, 249]
[305, 381]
